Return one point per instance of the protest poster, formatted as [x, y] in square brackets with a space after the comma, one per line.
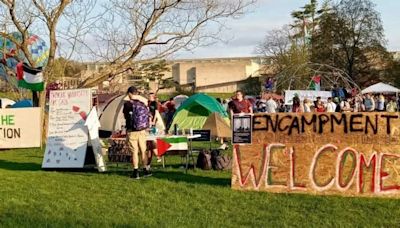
[20, 128]
[241, 129]
[67, 135]
[350, 154]
[303, 94]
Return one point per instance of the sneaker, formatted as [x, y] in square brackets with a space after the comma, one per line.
[224, 147]
[159, 159]
[147, 173]
[135, 174]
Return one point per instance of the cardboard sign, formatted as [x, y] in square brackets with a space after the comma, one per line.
[241, 129]
[20, 128]
[351, 154]
[67, 135]
[309, 94]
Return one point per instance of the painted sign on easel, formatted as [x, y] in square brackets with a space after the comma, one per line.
[67, 135]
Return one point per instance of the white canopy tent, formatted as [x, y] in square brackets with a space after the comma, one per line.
[381, 88]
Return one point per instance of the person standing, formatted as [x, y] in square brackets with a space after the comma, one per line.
[171, 108]
[271, 105]
[225, 104]
[320, 107]
[136, 114]
[392, 105]
[369, 103]
[358, 104]
[306, 107]
[380, 103]
[345, 105]
[240, 105]
[157, 123]
[296, 104]
[330, 105]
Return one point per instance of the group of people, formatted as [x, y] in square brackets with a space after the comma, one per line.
[269, 103]
[358, 103]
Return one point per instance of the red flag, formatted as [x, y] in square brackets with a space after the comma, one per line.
[317, 79]
[20, 71]
[162, 147]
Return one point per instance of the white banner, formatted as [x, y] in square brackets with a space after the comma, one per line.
[67, 135]
[20, 128]
[309, 94]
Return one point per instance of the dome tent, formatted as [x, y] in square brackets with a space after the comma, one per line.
[193, 113]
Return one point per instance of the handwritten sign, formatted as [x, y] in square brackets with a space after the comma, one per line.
[352, 154]
[20, 128]
[67, 134]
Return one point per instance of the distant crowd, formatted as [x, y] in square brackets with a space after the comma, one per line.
[270, 103]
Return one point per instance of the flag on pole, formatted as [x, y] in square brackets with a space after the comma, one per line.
[171, 143]
[315, 83]
[29, 78]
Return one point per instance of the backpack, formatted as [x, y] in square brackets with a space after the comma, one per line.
[220, 162]
[204, 160]
[140, 116]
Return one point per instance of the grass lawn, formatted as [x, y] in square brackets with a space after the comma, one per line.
[30, 197]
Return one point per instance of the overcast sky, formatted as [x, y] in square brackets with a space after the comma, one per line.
[244, 34]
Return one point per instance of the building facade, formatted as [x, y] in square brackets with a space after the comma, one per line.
[213, 75]
[217, 75]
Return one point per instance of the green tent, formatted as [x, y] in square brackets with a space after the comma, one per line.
[194, 112]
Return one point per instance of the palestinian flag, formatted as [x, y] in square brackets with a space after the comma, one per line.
[171, 143]
[29, 78]
[315, 83]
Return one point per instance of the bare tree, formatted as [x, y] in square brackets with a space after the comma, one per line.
[283, 49]
[133, 30]
[117, 32]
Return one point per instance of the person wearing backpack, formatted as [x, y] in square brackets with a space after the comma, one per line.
[136, 113]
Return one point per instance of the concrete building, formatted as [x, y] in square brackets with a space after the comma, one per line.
[215, 75]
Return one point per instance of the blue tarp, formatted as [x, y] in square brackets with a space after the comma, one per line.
[22, 104]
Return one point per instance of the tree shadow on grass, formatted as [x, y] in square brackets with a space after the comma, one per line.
[191, 179]
[22, 166]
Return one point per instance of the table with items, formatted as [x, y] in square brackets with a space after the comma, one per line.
[118, 151]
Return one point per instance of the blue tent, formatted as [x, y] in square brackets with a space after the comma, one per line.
[22, 104]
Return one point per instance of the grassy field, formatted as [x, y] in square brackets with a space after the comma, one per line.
[30, 197]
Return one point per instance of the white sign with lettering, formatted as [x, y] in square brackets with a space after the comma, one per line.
[20, 128]
[67, 134]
